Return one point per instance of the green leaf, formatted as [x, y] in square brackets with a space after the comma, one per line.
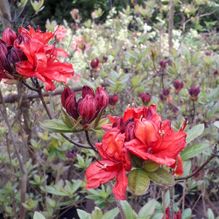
[111, 214]
[216, 123]
[187, 213]
[37, 5]
[38, 215]
[96, 213]
[138, 181]
[148, 209]
[161, 177]
[150, 166]
[127, 210]
[194, 132]
[83, 214]
[158, 215]
[56, 125]
[192, 151]
[210, 214]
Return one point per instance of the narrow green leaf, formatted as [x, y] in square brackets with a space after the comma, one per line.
[96, 213]
[161, 177]
[83, 214]
[194, 132]
[127, 210]
[210, 214]
[38, 215]
[138, 181]
[187, 213]
[56, 125]
[192, 151]
[111, 214]
[148, 209]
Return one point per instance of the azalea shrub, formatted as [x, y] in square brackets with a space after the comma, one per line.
[107, 121]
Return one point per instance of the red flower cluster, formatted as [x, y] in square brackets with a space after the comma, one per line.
[29, 54]
[88, 106]
[42, 58]
[142, 133]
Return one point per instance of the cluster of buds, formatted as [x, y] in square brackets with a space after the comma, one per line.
[194, 92]
[145, 97]
[10, 54]
[88, 107]
[178, 85]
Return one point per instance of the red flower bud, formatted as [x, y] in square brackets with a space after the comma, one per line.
[145, 97]
[178, 85]
[113, 99]
[65, 94]
[102, 98]
[71, 106]
[194, 92]
[87, 90]
[3, 53]
[9, 36]
[87, 108]
[95, 63]
[15, 55]
[215, 73]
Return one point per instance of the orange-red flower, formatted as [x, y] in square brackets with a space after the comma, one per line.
[156, 140]
[114, 164]
[42, 58]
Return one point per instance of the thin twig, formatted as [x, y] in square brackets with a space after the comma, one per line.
[199, 169]
[89, 141]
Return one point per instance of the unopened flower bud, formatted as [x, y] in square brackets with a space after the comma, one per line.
[87, 90]
[113, 99]
[70, 154]
[87, 108]
[145, 97]
[3, 53]
[215, 73]
[9, 36]
[178, 85]
[65, 94]
[102, 98]
[194, 92]
[164, 94]
[71, 106]
[95, 63]
[15, 55]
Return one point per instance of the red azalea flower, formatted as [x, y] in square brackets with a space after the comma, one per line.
[155, 139]
[42, 59]
[114, 164]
